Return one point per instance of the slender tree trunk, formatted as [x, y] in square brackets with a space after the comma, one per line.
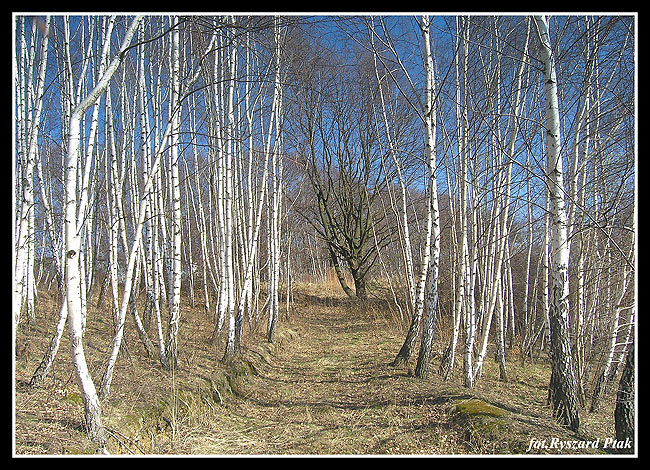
[501, 353]
[24, 289]
[528, 319]
[73, 209]
[171, 345]
[624, 414]
[93, 418]
[276, 202]
[447, 366]
[129, 292]
[228, 267]
[426, 344]
[562, 387]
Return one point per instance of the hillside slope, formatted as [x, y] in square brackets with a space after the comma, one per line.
[325, 387]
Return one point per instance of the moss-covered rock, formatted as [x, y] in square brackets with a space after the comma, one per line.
[476, 407]
[243, 368]
[486, 426]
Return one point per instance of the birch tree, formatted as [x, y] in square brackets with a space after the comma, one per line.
[495, 283]
[171, 347]
[462, 260]
[29, 106]
[226, 168]
[73, 222]
[421, 107]
[68, 100]
[167, 346]
[562, 388]
[429, 114]
[276, 189]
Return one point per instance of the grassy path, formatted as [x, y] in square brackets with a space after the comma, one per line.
[331, 391]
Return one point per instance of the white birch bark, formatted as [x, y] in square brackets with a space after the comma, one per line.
[24, 243]
[470, 317]
[73, 246]
[577, 176]
[428, 115]
[271, 148]
[133, 252]
[527, 323]
[167, 349]
[145, 142]
[218, 84]
[461, 261]
[429, 112]
[500, 234]
[546, 266]
[227, 245]
[175, 293]
[276, 197]
[562, 392]
[418, 106]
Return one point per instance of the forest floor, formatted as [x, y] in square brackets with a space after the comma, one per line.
[325, 387]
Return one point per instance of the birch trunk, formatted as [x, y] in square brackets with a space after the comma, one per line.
[562, 387]
[133, 253]
[527, 324]
[604, 374]
[171, 347]
[73, 226]
[429, 112]
[461, 279]
[227, 244]
[276, 196]
[270, 152]
[413, 333]
[24, 260]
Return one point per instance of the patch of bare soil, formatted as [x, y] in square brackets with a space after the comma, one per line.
[324, 387]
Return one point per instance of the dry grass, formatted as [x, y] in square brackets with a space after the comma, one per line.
[325, 387]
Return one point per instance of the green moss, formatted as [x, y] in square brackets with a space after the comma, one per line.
[73, 398]
[244, 368]
[486, 426]
[476, 407]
